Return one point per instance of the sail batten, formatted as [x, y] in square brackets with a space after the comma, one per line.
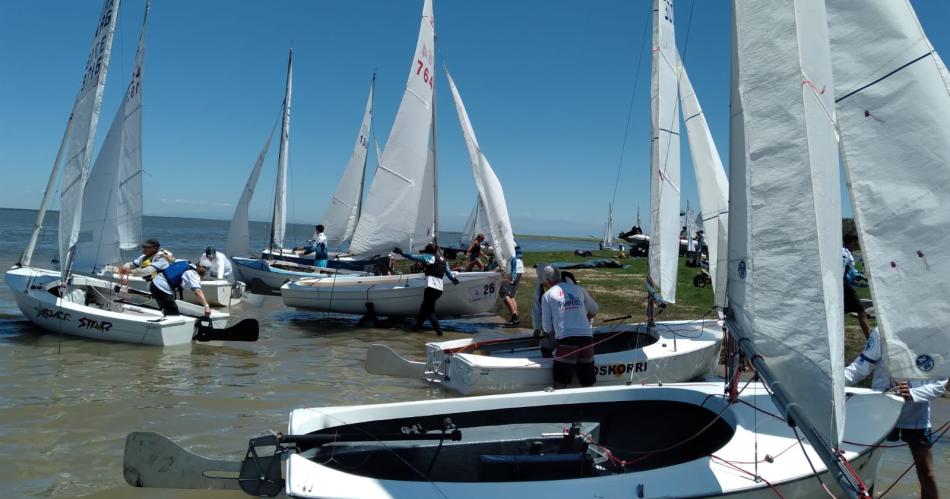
[391, 209]
[896, 150]
[664, 154]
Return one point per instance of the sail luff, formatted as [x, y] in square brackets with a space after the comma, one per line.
[239, 238]
[490, 191]
[279, 218]
[391, 209]
[112, 199]
[891, 114]
[343, 213]
[82, 133]
[784, 192]
[664, 155]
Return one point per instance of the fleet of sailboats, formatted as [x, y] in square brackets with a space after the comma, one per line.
[814, 87]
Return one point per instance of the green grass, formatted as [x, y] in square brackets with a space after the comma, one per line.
[621, 292]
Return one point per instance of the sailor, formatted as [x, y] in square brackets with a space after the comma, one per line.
[851, 277]
[510, 288]
[318, 246]
[217, 263]
[152, 260]
[566, 313]
[173, 278]
[435, 269]
[913, 425]
[474, 253]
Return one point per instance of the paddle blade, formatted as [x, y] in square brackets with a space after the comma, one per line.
[152, 460]
[246, 330]
[380, 359]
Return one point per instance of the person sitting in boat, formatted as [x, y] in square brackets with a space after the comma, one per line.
[852, 304]
[566, 314]
[475, 253]
[217, 263]
[435, 269]
[318, 246]
[153, 259]
[510, 288]
[171, 280]
[913, 425]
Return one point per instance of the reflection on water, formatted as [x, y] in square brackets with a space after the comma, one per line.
[66, 404]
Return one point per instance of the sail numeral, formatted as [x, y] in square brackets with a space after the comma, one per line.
[423, 70]
[94, 62]
[363, 140]
[668, 10]
[136, 82]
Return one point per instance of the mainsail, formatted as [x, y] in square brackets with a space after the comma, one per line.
[343, 212]
[112, 201]
[477, 223]
[78, 139]
[490, 191]
[392, 205]
[664, 154]
[239, 237]
[279, 218]
[608, 239]
[892, 108]
[711, 182]
[785, 193]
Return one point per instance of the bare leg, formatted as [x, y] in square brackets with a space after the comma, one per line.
[923, 460]
[863, 322]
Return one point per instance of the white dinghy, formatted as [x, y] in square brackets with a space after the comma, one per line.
[400, 211]
[69, 303]
[687, 440]
[625, 354]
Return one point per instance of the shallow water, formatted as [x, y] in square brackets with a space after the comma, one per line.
[66, 404]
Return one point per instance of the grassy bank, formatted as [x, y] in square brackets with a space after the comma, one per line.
[621, 292]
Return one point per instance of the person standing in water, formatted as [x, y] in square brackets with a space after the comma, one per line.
[435, 268]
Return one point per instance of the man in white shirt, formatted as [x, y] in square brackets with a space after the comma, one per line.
[913, 425]
[566, 312]
[180, 274]
[217, 263]
[152, 260]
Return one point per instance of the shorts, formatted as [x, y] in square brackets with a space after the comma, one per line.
[851, 301]
[575, 354]
[915, 437]
[509, 289]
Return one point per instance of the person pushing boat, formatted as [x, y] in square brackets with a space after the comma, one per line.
[435, 269]
[173, 278]
[153, 259]
[566, 312]
[217, 263]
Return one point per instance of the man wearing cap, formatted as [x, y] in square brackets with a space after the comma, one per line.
[217, 263]
[435, 269]
[152, 261]
[566, 312]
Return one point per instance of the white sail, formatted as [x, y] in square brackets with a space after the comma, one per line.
[477, 223]
[279, 218]
[785, 193]
[490, 190]
[344, 210]
[392, 205]
[424, 232]
[664, 154]
[112, 201]
[239, 237]
[892, 109]
[81, 131]
[712, 185]
[608, 239]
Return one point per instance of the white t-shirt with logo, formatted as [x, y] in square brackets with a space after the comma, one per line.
[564, 309]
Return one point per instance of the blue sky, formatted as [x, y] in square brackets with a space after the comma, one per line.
[548, 85]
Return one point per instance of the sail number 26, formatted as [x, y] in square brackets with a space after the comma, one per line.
[423, 71]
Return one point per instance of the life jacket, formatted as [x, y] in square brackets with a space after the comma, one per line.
[148, 261]
[436, 268]
[320, 251]
[174, 272]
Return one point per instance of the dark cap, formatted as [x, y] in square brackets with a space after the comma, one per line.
[430, 248]
[152, 242]
[209, 251]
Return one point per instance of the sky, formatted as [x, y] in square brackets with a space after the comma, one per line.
[548, 84]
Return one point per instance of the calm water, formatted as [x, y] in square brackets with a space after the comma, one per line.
[67, 404]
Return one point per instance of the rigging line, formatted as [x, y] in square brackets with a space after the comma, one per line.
[810, 465]
[636, 79]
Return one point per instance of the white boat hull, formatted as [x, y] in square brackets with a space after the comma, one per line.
[681, 351]
[398, 295]
[124, 323]
[262, 274]
[745, 434]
